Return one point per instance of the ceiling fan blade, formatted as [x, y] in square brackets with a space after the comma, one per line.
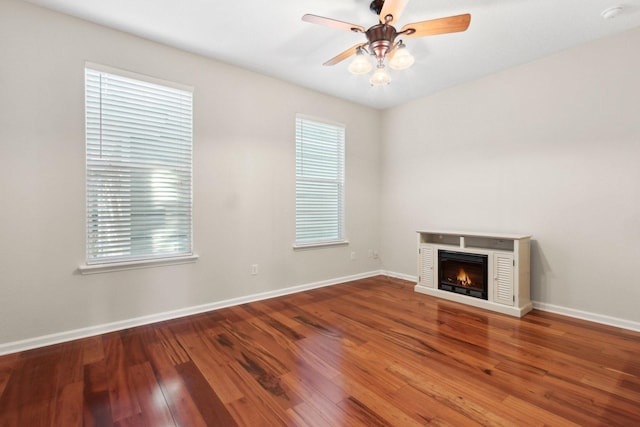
[393, 8]
[321, 20]
[451, 24]
[344, 55]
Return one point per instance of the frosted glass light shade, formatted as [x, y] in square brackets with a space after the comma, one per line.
[360, 64]
[380, 77]
[402, 59]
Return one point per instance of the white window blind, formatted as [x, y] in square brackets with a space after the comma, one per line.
[138, 169]
[319, 181]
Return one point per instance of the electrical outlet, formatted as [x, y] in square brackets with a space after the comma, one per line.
[254, 269]
[370, 253]
[353, 256]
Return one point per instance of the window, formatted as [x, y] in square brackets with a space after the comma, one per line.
[138, 168]
[319, 182]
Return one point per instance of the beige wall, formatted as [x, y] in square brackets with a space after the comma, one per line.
[550, 148]
[244, 169]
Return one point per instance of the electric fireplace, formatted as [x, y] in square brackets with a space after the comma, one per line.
[489, 271]
[463, 273]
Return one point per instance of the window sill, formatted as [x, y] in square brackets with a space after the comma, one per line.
[297, 246]
[134, 265]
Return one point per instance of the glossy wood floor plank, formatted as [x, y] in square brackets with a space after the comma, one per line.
[366, 353]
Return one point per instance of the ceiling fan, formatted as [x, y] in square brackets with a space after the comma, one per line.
[381, 38]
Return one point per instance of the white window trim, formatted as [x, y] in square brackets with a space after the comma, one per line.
[343, 242]
[337, 242]
[152, 261]
[85, 269]
[138, 76]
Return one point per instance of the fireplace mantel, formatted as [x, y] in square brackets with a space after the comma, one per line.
[508, 275]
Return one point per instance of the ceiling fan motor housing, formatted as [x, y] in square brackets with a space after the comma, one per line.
[381, 38]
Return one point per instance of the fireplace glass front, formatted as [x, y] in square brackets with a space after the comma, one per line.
[463, 273]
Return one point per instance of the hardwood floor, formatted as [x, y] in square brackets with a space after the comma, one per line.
[365, 353]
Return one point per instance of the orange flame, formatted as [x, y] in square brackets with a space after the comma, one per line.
[463, 279]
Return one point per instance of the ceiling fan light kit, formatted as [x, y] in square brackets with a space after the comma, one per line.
[381, 38]
[380, 77]
[360, 64]
[401, 59]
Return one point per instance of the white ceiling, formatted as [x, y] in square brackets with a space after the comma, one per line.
[269, 37]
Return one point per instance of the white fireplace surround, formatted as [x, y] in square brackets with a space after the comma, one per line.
[508, 268]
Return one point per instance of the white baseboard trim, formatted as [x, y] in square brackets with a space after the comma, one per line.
[400, 276]
[45, 340]
[585, 315]
[566, 311]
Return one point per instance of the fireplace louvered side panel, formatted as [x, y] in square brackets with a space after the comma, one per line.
[425, 269]
[503, 274]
